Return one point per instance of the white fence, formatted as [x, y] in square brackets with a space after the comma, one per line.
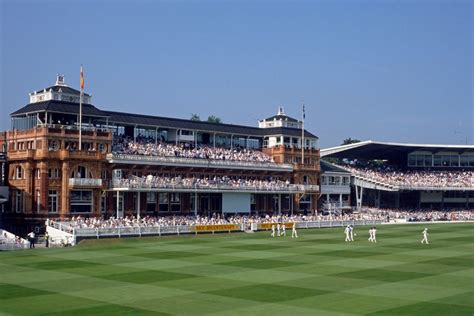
[9, 241]
[87, 233]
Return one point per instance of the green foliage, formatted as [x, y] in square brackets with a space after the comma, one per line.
[195, 117]
[349, 140]
[214, 119]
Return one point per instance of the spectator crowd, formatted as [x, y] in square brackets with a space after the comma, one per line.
[151, 181]
[421, 215]
[386, 215]
[418, 178]
[149, 147]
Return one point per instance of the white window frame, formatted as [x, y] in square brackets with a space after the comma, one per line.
[52, 201]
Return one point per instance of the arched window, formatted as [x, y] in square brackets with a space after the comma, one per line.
[81, 172]
[18, 173]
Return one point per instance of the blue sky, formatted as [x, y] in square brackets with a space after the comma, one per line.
[384, 70]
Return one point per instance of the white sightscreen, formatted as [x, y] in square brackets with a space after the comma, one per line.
[236, 202]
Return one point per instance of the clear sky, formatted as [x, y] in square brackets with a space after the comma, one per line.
[383, 70]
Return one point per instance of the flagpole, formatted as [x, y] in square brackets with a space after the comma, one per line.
[302, 137]
[80, 110]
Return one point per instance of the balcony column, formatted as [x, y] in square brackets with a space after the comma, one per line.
[340, 200]
[291, 203]
[64, 190]
[118, 204]
[214, 141]
[196, 203]
[138, 204]
[44, 187]
[29, 183]
[279, 204]
[467, 199]
[377, 199]
[359, 194]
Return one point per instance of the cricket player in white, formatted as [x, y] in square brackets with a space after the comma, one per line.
[278, 229]
[283, 229]
[425, 236]
[374, 234]
[347, 232]
[273, 230]
[351, 230]
[371, 232]
[294, 234]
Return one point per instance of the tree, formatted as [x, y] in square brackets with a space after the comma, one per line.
[214, 119]
[195, 117]
[349, 140]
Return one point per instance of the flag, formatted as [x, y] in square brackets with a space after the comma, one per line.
[82, 79]
[304, 114]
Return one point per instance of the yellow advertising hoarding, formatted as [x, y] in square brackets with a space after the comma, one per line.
[216, 228]
[269, 225]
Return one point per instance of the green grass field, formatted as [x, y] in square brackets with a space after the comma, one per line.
[248, 274]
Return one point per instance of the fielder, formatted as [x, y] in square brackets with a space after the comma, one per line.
[283, 229]
[351, 230]
[425, 236]
[273, 230]
[371, 234]
[347, 232]
[374, 234]
[294, 234]
[278, 229]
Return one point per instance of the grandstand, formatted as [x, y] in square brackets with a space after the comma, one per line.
[144, 165]
[394, 175]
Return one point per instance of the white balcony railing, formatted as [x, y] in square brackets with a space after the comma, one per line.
[209, 163]
[127, 185]
[85, 182]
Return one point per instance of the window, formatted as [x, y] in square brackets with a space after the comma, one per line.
[412, 160]
[324, 180]
[81, 172]
[53, 173]
[53, 145]
[19, 173]
[464, 161]
[419, 160]
[103, 203]
[151, 198]
[37, 174]
[454, 161]
[174, 197]
[81, 201]
[163, 198]
[445, 161]
[38, 201]
[53, 201]
[345, 180]
[19, 202]
[428, 160]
